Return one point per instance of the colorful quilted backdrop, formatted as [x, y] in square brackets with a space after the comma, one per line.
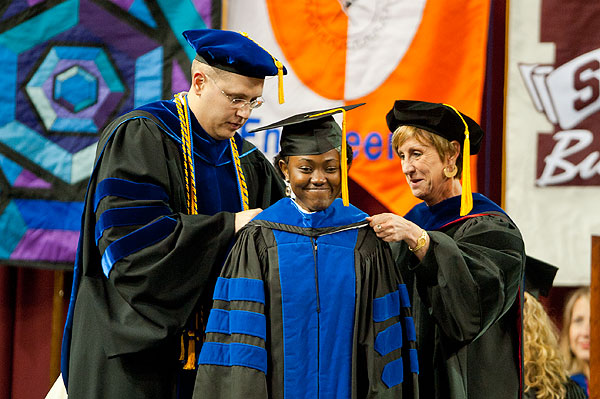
[66, 69]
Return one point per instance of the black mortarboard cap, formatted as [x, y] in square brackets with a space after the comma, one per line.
[309, 133]
[235, 52]
[436, 118]
[314, 133]
[539, 276]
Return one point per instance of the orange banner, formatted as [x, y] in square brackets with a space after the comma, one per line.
[421, 50]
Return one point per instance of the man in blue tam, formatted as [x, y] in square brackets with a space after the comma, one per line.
[172, 183]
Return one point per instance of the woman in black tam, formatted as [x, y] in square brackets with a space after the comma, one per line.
[461, 255]
[309, 303]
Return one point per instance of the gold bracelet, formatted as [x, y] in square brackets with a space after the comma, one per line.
[421, 241]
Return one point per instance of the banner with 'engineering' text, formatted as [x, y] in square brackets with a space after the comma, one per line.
[346, 52]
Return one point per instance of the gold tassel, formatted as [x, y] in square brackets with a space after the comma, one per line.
[345, 195]
[466, 196]
[182, 350]
[279, 66]
[344, 153]
[191, 359]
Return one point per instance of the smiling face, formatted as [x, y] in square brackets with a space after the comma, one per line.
[423, 169]
[579, 330]
[212, 108]
[314, 179]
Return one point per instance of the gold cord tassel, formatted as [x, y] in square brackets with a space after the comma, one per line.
[191, 358]
[188, 164]
[240, 175]
[192, 208]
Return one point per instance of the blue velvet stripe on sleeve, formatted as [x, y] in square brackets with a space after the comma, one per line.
[128, 189]
[396, 305]
[393, 373]
[237, 322]
[128, 216]
[234, 354]
[414, 360]
[386, 307]
[230, 322]
[404, 299]
[409, 325]
[135, 241]
[389, 339]
[239, 289]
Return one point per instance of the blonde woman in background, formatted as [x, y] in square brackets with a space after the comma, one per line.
[575, 336]
[545, 371]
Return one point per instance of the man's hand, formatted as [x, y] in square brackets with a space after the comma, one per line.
[243, 217]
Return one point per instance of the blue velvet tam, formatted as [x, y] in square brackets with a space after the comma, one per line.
[234, 52]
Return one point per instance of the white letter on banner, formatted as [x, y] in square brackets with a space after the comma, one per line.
[556, 160]
[574, 89]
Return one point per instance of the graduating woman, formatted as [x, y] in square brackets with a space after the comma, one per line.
[309, 303]
[461, 255]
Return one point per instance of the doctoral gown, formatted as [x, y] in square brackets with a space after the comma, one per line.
[309, 305]
[143, 263]
[466, 300]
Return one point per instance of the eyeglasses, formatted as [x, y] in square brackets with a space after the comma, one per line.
[240, 103]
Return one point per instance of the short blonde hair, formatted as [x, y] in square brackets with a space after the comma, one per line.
[443, 147]
[544, 367]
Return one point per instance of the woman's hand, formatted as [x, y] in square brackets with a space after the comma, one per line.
[393, 228]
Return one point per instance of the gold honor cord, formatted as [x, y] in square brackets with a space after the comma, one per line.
[186, 147]
[278, 64]
[240, 175]
[344, 154]
[466, 196]
[189, 336]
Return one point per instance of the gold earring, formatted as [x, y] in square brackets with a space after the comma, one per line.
[451, 173]
[288, 188]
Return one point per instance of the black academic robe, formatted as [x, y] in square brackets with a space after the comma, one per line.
[466, 300]
[143, 263]
[309, 305]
